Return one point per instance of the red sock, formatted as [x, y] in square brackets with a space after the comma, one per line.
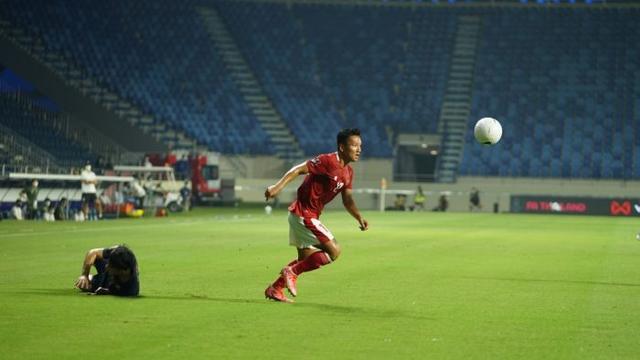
[279, 283]
[311, 263]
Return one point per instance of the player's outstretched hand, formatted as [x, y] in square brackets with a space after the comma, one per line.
[83, 283]
[364, 224]
[270, 192]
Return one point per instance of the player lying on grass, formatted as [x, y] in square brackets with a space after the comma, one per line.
[117, 272]
[327, 175]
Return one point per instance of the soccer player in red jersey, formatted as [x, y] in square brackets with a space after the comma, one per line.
[327, 175]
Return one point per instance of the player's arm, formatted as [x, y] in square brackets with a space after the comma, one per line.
[350, 205]
[83, 281]
[273, 190]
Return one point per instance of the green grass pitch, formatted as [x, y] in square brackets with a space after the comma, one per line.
[416, 285]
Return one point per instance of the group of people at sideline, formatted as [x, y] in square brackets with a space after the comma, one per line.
[93, 203]
[442, 205]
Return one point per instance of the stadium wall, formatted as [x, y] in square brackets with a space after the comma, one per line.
[368, 173]
[261, 167]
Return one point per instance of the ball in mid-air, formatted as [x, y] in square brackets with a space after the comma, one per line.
[488, 131]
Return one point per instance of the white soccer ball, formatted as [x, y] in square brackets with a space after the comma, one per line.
[268, 209]
[488, 131]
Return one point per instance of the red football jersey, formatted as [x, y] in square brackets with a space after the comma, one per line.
[326, 178]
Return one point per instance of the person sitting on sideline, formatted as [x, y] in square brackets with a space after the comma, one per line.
[16, 210]
[47, 210]
[60, 212]
[443, 203]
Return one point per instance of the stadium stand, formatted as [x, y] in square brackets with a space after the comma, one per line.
[329, 67]
[40, 127]
[37, 119]
[563, 85]
[164, 63]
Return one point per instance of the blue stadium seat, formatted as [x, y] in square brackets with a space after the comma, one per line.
[329, 67]
[158, 55]
[41, 127]
[563, 84]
